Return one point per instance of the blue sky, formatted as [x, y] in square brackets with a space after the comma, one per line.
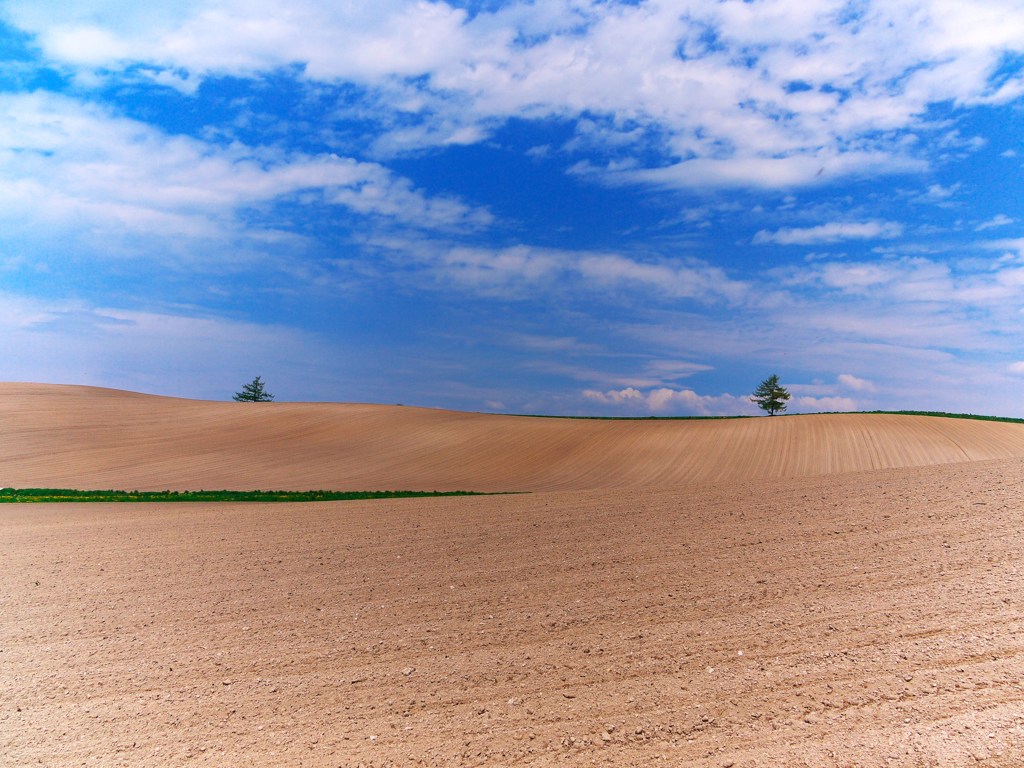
[609, 208]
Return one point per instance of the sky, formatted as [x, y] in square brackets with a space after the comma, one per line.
[578, 207]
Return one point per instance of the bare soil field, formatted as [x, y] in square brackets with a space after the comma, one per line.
[82, 437]
[856, 598]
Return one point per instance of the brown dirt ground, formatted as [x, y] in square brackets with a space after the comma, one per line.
[83, 437]
[852, 617]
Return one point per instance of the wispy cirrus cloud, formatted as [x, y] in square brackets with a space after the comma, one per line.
[832, 232]
[522, 267]
[943, 285]
[999, 220]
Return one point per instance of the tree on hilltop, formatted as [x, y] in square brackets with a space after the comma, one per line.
[253, 392]
[770, 395]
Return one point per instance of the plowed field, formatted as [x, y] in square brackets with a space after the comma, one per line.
[819, 590]
[53, 436]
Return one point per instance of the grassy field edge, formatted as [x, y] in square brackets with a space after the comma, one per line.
[58, 495]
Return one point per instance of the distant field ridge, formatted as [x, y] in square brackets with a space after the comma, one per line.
[60, 436]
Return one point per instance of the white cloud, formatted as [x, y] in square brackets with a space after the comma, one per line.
[616, 396]
[357, 41]
[663, 400]
[832, 232]
[908, 279]
[695, 280]
[999, 220]
[937, 192]
[1013, 245]
[857, 384]
[828, 395]
[1017, 367]
[675, 369]
[938, 195]
[725, 113]
[945, 286]
[818, 392]
[760, 172]
[524, 268]
[508, 270]
[67, 163]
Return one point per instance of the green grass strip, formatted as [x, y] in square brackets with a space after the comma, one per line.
[55, 495]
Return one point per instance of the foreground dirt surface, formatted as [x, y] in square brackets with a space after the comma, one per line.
[856, 619]
[840, 590]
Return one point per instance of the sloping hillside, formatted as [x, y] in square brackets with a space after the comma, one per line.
[67, 436]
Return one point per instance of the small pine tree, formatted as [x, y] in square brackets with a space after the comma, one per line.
[770, 395]
[253, 392]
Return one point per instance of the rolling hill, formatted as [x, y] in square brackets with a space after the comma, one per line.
[84, 437]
